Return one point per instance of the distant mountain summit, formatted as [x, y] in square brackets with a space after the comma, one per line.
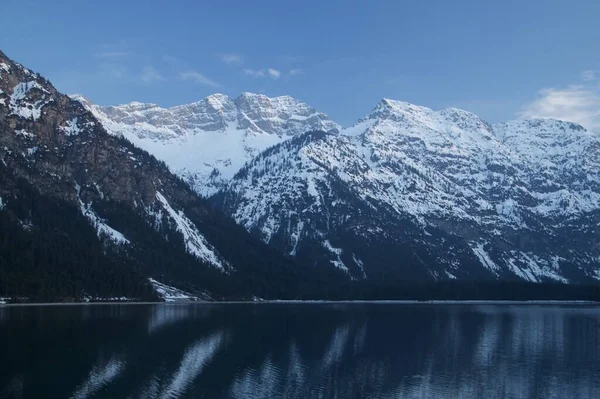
[206, 142]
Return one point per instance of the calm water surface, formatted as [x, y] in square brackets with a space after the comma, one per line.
[300, 351]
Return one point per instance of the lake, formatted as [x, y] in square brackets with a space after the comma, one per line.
[385, 350]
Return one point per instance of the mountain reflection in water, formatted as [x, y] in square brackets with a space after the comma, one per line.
[300, 351]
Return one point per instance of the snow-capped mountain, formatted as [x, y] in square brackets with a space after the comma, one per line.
[406, 193]
[206, 142]
[87, 214]
[444, 191]
[418, 193]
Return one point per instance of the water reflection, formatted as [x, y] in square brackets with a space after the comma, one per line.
[161, 316]
[259, 383]
[301, 351]
[100, 375]
[194, 360]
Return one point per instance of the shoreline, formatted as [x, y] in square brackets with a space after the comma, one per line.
[316, 302]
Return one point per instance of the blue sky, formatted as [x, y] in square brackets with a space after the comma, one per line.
[499, 59]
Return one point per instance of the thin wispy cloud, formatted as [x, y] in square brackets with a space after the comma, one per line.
[198, 78]
[589, 75]
[579, 103]
[150, 75]
[271, 73]
[274, 73]
[296, 72]
[231, 58]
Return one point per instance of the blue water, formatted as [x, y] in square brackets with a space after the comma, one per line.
[300, 351]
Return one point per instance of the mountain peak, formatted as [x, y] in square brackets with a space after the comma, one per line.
[218, 101]
[411, 115]
[402, 106]
[251, 97]
[388, 109]
[81, 98]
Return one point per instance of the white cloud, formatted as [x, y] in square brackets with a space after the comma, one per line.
[296, 72]
[257, 73]
[231, 58]
[198, 78]
[589, 75]
[576, 103]
[274, 73]
[150, 75]
[262, 73]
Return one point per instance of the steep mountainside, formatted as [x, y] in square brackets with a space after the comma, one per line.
[208, 141]
[415, 193]
[96, 216]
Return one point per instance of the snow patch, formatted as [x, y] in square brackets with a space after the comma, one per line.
[32, 150]
[524, 274]
[98, 189]
[71, 128]
[23, 133]
[484, 258]
[540, 267]
[450, 275]
[360, 264]
[338, 253]
[170, 293]
[102, 229]
[195, 242]
[23, 108]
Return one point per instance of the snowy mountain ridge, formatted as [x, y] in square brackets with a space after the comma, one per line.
[456, 197]
[206, 142]
[404, 177]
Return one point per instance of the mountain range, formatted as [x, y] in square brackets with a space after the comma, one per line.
[267, 197]
[406, 191]
[208, 141]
